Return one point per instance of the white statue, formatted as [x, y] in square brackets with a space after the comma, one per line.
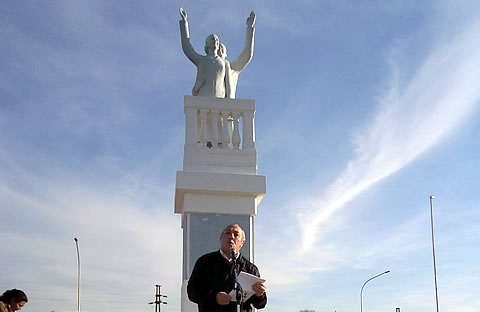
[215, 75]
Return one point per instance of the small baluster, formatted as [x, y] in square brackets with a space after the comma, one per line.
[248, 130]
[203, 127]
[236, 131]
[190, 126]
[214, 138]
[225, 134]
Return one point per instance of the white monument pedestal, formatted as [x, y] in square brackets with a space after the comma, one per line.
[219, 184]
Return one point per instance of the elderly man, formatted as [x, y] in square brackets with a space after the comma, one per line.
[213, 276]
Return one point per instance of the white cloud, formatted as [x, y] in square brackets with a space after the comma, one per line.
[441, 94]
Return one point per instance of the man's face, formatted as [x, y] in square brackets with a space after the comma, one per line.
[212, 42]
[222, 51]
[232, 237]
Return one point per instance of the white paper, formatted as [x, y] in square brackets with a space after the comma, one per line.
[246, 280]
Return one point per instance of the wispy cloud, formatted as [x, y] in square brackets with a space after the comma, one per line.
[411, 119]
[342, 250]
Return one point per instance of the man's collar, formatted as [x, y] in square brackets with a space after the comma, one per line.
[226, 257]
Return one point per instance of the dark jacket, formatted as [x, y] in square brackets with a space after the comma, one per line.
[213, 273]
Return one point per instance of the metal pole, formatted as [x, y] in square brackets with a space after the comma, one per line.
[361, 291]
[433, 249]
[157, 298]
[78, 277]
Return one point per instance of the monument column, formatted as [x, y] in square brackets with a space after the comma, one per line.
[219, 184]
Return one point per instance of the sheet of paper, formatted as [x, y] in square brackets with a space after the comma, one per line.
[246, 280]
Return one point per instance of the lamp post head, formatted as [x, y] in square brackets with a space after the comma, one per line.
[432, 196]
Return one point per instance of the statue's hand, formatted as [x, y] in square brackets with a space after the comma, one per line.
[183, 14]
[251, 19]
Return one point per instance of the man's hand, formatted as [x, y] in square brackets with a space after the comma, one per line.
[251, 19]
[223, 298]
[183, 14]
[259, 288]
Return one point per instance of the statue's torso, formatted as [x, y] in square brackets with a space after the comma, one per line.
[210, 77]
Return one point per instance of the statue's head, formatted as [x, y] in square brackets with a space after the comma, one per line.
[222, 51]
[211, 43]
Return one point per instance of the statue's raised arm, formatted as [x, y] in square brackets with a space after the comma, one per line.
[247, 53]
[243, 59]
[185, 37]
[210, 79]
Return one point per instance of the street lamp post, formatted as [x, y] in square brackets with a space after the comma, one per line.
[78, 275]
[361, 291]
[433, 249]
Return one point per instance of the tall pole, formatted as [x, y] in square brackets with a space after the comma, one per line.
[157, 298]
[433, 249]
[78, 276]
[361, 290]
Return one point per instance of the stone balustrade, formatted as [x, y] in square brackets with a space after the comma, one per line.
[215, 123]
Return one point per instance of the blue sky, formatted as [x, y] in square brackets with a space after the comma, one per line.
[363, 111]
